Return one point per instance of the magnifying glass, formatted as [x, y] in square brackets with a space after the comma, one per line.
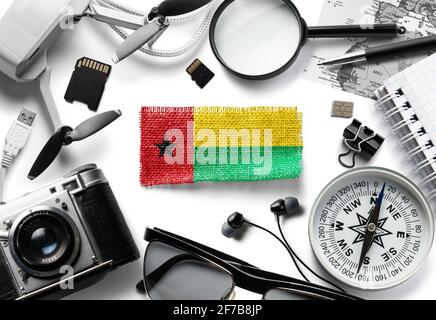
[260, 39]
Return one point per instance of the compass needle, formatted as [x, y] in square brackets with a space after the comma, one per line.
[371, 228]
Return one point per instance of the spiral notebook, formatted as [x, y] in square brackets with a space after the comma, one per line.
[408, 101]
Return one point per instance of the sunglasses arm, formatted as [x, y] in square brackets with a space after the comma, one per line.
[274, 280]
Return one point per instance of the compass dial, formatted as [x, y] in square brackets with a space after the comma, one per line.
[371, 228]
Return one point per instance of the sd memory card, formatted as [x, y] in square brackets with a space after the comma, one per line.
[88, 82]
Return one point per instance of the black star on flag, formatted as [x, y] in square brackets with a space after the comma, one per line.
[164, 147]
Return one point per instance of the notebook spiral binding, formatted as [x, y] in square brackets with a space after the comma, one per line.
[406, 125]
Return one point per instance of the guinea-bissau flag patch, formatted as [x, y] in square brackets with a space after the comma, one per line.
[220, 144]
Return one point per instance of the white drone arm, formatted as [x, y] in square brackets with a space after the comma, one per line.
[147, 32]
[47, 95]
[114, 17]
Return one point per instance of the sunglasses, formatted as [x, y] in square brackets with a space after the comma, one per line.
[176, 268]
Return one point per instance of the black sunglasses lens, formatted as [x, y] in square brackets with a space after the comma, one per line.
[283, 294]
[173, 274]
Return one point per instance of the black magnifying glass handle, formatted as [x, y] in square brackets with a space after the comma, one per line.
[393, 49]
[356, 31]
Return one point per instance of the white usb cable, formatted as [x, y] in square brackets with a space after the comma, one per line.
[15, 141]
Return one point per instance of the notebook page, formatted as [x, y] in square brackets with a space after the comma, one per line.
[418, 84]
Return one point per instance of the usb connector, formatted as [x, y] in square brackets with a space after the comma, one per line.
[16, 139]
[17, 136]
[26, 117]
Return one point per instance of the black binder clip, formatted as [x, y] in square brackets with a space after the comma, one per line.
[360, 140]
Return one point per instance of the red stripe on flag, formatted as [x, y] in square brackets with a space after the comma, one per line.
[155, 126]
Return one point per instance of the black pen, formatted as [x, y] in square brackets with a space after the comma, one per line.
[415, 45]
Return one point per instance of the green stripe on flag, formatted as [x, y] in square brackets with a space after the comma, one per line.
[247, 164]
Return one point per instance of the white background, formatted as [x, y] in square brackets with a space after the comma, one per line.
[195, 211]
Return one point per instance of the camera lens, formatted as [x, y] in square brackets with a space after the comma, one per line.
[44, 241]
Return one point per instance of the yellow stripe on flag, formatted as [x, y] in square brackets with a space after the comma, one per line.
[218, 126]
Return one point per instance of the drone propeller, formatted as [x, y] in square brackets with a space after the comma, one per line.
[66, 135]
[170, 8]
[140, 37]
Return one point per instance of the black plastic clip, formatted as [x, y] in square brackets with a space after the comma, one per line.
[360, 140]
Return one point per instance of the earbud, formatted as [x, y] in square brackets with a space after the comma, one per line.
[289, 207]
[233, 225]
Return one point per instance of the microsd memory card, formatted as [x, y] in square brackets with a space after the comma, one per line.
[200, 73]
[88, 82]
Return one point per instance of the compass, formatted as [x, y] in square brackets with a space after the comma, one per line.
[371, 228]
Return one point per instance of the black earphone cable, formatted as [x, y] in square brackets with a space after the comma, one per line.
[291, 253]
[285, 241]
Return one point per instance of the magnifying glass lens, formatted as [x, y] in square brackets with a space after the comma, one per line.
[257, 37]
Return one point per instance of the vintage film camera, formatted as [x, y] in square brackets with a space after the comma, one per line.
[73, 223]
